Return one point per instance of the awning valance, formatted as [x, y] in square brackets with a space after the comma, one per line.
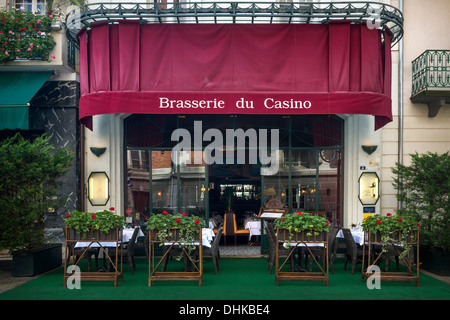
[336, 68]
[16, 91]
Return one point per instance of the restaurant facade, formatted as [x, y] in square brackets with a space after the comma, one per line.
[185, 104]
[180, 104]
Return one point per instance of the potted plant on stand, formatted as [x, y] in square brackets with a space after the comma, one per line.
[180, 231]
[96, 226]
[178, 227]
[397, 236]
[423, 190]
[104, 228]
[391, 230]
[303, 230]
[302, 225]
[30, 172]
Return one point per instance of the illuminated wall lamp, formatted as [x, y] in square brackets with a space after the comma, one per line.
[98, 188]
[369, 149]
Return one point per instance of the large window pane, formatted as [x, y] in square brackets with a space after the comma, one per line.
[137, 176]
[164, 182]
[329, 190]
[192, 184]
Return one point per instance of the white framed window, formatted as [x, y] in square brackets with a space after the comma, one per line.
[35, 6]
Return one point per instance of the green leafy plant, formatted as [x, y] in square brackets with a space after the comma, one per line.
[188, 226]
[30, 172]
[423, 189]
[24, 35]
[103, 221]
[389, 226]
[302, 222]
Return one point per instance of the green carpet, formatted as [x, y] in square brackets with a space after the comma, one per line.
[238, 279]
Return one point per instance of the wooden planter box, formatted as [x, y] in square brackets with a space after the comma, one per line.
[173, 242]
[93, 235]
[372, 239]
[302, 239]
[113, 239]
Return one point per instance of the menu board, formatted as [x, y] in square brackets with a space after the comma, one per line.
[272, 214]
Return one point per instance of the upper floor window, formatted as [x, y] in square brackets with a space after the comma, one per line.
[35, 6]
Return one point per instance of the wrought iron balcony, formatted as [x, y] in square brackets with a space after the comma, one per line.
[431, 80]
[375, 14]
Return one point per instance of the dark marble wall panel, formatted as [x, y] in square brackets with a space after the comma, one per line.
[54, 110]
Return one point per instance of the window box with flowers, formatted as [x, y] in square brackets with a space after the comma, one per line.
[305, 231]
[394, 235]
[101, 228]
[25, 36]
[174, 231]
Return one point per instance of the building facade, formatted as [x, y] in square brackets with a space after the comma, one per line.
[327, 92]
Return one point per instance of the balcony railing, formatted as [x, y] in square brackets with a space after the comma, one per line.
[375, 14]
[431, 79]
[431, 71]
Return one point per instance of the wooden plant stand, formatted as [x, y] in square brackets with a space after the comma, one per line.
[173, 242]
[371, 239]
[114, 237]
[302, 239]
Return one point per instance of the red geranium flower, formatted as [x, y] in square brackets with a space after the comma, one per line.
[196, 222]
[178, 220]
[379, 222]
[283, 220]
[164, 212]
[184, 214]
[94, 216]
[389, 214]
[111, 209]
[400, 219]
[418, 224]
[68, 215]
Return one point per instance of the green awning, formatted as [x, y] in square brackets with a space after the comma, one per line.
[16, 91]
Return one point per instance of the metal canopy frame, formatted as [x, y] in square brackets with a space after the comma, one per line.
[375, 14]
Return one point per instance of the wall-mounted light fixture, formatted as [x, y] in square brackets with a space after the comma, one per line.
[369, 188]
[369, 149]
[98, 151]
[98, 188]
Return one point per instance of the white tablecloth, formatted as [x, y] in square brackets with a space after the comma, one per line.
[127, 233]
[254, 227]
[207, 238]
[358, 235]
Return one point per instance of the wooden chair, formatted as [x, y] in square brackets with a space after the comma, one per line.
[231, 229]
[127, 251]
[282, 251]
[319, 252]
[353, 252]
[213, 252]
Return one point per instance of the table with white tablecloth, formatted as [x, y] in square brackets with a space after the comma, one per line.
[127, 233]
[254, 227]
[357, 234]
[207, 238]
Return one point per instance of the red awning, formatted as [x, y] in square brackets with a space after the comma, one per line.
[337, 68]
